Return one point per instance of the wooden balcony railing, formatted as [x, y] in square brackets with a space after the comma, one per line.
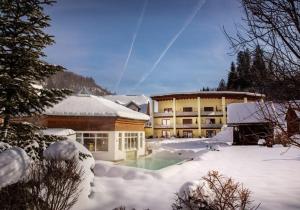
[186, 126]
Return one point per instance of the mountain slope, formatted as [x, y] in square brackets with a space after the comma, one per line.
[75, 82]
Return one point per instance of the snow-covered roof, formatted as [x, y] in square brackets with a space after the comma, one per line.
[126, 99]
[90, 105]
[245, 113]
[58, 131]
[211, 92]
[255, 112]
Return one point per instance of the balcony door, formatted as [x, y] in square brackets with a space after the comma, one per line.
[210, 121]
[165, 122]
[168, 110]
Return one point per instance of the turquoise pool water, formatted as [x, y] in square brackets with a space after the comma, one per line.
[151, 163]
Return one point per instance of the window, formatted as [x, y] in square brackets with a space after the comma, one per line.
[187, 121]
[187, 109]
[89, 141]
[120, 141]
[141, 140]
[102, 142]
[93, 141]
[165, 121]
[131, 141]
[79, 137]
[89, 144]
[208, 109]
[168, 110]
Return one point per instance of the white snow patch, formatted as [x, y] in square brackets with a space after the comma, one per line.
[226, 135]
[90, 105]
[272, 178]
[61, 150]
[14, 165]
[261, 142]
[58, 131]
[188, 188]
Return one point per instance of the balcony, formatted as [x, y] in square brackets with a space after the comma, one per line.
[211, 113]
[163, 114]
[211, 125]
[187, 111]
[163, 126]
[188, 114]
[183, 114]
[186, 126]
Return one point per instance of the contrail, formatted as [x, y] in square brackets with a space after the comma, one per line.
[140, 20]
[186, 24]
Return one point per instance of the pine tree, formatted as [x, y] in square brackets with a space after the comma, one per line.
[22, 40]
[222, 85]
[259, 71]
[232, 78]
[243, 70]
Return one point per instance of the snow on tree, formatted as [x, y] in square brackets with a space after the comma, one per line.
[22, 64]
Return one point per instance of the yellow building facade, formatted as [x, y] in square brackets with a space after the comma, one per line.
[193, 114]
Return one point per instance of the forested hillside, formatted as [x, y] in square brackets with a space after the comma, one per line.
[75, 82]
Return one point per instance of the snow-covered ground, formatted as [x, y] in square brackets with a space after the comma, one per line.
[272, 174]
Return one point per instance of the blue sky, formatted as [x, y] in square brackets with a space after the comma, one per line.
[93, 38]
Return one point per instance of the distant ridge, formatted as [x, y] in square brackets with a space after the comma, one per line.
[75, 82]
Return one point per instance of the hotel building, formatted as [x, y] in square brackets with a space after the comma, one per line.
[194, 114]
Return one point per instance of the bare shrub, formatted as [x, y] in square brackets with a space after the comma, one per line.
[51, 185]
[216, 192]
[124, 208]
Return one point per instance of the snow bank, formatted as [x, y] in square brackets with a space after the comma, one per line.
[225, 136]
[105, 169]
[14, 164]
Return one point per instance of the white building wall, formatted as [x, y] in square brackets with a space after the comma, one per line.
[114, 153]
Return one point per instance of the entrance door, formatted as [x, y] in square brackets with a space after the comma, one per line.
[187, 134]
[210, 133]
[166, 134]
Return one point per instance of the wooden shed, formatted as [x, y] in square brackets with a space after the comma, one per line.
[249, 125]
[293, 121]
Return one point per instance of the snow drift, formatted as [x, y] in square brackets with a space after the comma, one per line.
[14, 165]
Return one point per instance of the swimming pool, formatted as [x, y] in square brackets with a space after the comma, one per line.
[151, 163]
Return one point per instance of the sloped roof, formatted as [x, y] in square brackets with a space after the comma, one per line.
[207, 94]
[126, 99]
[90, 105]
[255, 112]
